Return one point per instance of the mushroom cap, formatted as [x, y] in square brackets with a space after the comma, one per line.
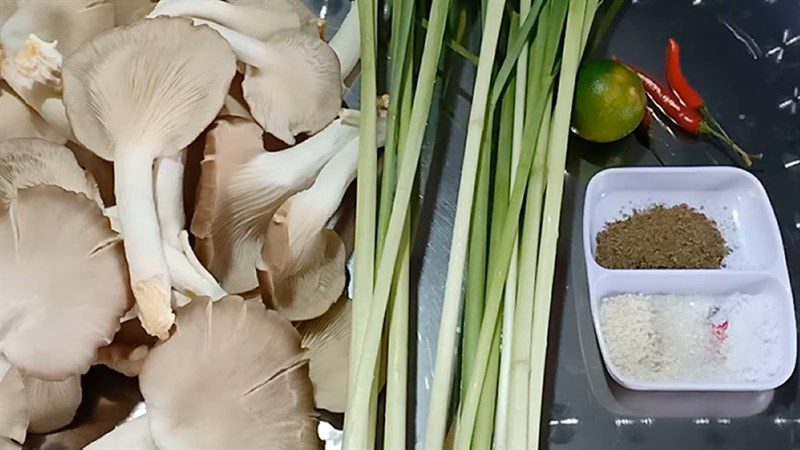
[296, 88]
[159, 81]
[51, 404]
[303, 284]
[327, 339]
[31, 162]
[230, 143]
[232, 376]
[294, 14]
[256, 191]
[13, 407]
[70, 23]
[128, 11]
[20, 121]
[64, 277]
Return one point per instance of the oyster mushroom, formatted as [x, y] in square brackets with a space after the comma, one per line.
[133, 96]
[51, 404]
[20, 121]
[63, 276]
[259, 19]
[327, 339]
[71, 23]
[302, 267]
[346, 43]
[13, 408]
[250, 370]
[255, 192]
[291, 82]
[31, 162]
[231, 142]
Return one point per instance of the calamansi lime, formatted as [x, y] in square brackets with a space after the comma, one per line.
[609, 101]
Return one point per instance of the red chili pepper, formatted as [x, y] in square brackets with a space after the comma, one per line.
[685, 92]
[687, 118]
[668, 103]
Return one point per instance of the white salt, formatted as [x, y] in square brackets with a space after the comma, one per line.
[691, 338]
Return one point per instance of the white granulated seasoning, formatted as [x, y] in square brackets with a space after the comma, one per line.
[691, 338]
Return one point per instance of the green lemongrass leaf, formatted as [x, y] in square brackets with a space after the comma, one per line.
[476, 261]
[515, 50]
[366, 186]
[456, 46]
[364, 370]
[402, 20]
[397, 373]
[484, 431]
[443, 371]
[579, 20]
[507, 159]
[517, 432]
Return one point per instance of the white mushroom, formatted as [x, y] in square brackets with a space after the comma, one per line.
[42, 94]
[63, 276]
[230, 142]
[327, 339]
[32, 162]
[13, 407]
[51, 404]
[133, 96]
[259, 19]
[347, 41]
[20, 121]
[70, 23]
[302, 268]
[232, 375]
[129, 11]
[291, 83]
[256, 191]
[187, 274]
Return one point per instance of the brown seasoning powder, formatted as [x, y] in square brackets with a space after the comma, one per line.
[677, 237]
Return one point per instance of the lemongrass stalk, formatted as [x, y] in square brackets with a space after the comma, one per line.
[443, 369]
[484, 430]
[503, 181]
[363, 371]
[538, 86]
[364, 254]
[517, 431]
[476, 264]
[402, 18]
[578, 23]
[397, 371]
[397, 376]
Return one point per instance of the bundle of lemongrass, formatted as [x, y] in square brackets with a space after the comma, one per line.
[512, 177]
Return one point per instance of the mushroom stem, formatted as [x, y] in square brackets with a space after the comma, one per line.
[184, 274]
[150, 280]
[347, 41]
[169, 196]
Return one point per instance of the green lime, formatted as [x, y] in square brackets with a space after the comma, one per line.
[609, 101]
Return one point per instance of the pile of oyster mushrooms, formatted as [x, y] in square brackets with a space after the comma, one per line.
[172, 178]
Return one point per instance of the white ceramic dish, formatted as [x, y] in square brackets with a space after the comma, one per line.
[756, 265]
